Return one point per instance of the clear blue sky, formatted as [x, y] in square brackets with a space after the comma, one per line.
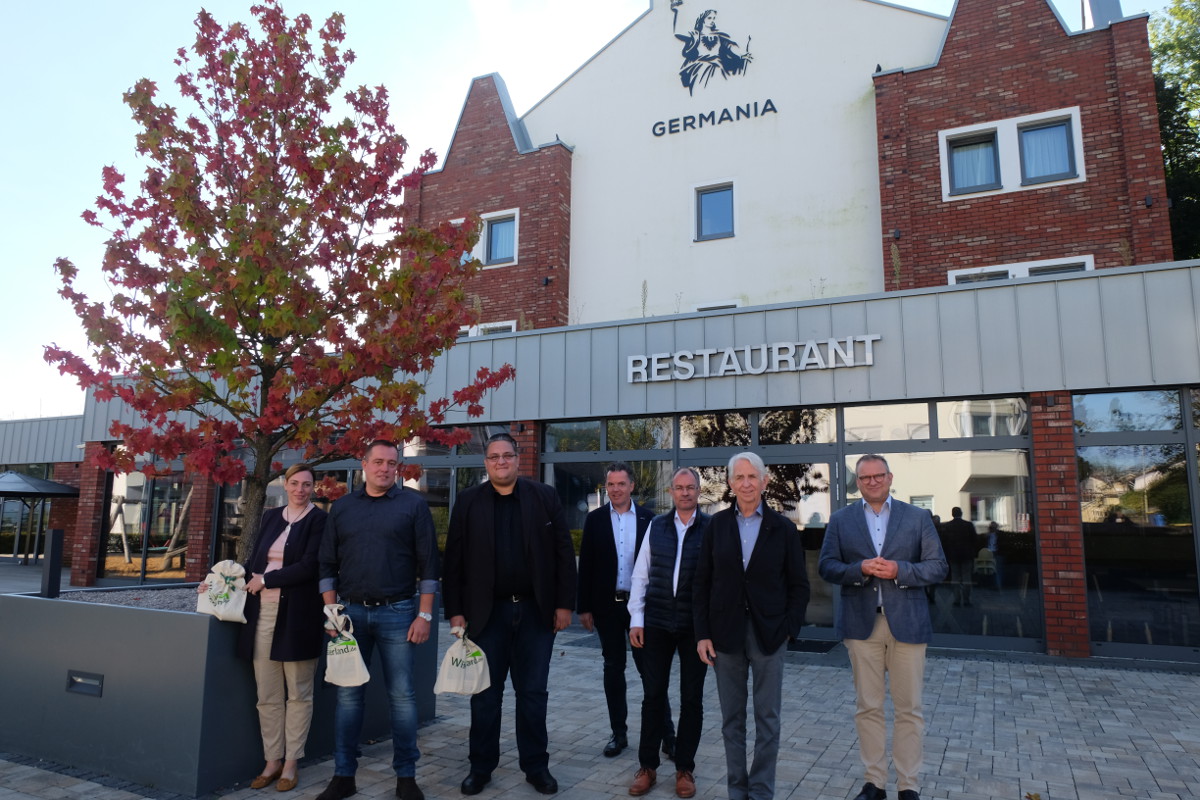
[69, 62]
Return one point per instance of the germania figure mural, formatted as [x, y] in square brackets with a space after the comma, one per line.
[707, 51]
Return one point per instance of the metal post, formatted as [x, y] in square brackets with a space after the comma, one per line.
[52, 565]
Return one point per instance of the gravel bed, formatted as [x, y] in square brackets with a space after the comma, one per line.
[175, 598]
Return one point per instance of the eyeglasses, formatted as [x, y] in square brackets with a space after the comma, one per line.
[872, 478]
[684, 488]
[494, 457]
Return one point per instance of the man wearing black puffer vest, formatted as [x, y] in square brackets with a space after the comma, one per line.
[660, 623]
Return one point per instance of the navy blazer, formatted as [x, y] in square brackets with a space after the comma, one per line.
[469, 576]
[773, 587]
[912, 542]
[598, 559]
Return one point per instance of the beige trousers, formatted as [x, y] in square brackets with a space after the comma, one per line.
[285, 693]
[878, 662]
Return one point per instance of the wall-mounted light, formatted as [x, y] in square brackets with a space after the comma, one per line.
[1149, 201]
[546, 281]
[895, 233]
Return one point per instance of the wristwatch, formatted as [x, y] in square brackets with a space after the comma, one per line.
[425, 615]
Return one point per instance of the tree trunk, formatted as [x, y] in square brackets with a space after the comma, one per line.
[254, 496]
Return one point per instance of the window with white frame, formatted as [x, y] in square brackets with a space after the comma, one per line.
[487, 329]
[714, 212]
[498, 238]
[974, 163]
[1012, 155]
[1046, 152]
[1026, 269]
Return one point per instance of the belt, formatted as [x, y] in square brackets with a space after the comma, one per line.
[372, 602]
[513, 598]
[621, 597]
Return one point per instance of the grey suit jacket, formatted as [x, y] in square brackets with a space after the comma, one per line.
[912, 542]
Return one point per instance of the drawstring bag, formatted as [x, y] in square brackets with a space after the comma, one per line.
[464, 668]
[226, 595]
[344, 665]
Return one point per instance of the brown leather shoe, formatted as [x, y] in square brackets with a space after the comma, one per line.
[685, 784]
[642, 781]
[286, 784]
[263, 781]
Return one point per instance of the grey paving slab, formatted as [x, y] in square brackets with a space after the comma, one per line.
[997, 729]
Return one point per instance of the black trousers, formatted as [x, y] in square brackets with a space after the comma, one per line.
[658, 650]
[613, 629]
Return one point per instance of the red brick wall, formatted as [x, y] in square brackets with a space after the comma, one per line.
[483, 173]
[84, 543]
[1059, 526]
[199, 528]
[64, 511]
[1004, 59]
[529, 445]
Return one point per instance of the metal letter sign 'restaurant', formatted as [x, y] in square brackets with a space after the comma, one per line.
[683, 365]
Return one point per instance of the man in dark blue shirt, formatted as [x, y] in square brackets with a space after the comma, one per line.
[379, 555]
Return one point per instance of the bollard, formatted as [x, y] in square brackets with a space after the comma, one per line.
[52, 564]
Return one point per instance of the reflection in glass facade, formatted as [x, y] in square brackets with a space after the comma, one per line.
[797, 426]
[1127, 411]
[572, 437]
[730, 429]
[1001, 416]
[896, 422]
[642, 433]
[1139, 546]
[146, 531]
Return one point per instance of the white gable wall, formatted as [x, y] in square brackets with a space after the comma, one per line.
[806, 190]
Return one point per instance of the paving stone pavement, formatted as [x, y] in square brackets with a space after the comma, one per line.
[998, 728]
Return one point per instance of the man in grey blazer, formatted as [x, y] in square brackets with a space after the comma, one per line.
[883, 553]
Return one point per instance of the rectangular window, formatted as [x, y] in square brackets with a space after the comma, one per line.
[974, 163]
[1012, 155]
[501, 236]
[1024, 269]
[714, 212]
[487, 328]
[1046, 152]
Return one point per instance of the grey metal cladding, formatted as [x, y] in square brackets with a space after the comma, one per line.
[1127, 327]
[958, 312]
[44, 440]
[1171, 300]
[1133, 326]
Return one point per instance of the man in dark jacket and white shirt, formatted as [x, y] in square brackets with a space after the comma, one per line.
[612, 535]
[660, 619]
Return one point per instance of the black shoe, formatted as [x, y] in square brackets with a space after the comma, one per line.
[339, 786]
[871, 792]
[668, 748]
[543, 781]
[474, 782]
[615, 745]
[909, 794]
[407, 789]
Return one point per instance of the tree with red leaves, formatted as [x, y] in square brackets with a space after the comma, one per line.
[267, 294]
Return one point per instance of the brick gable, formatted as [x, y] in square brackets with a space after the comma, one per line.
[1003, 60]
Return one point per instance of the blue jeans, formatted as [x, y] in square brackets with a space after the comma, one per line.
[387, 627]
[516, 639]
